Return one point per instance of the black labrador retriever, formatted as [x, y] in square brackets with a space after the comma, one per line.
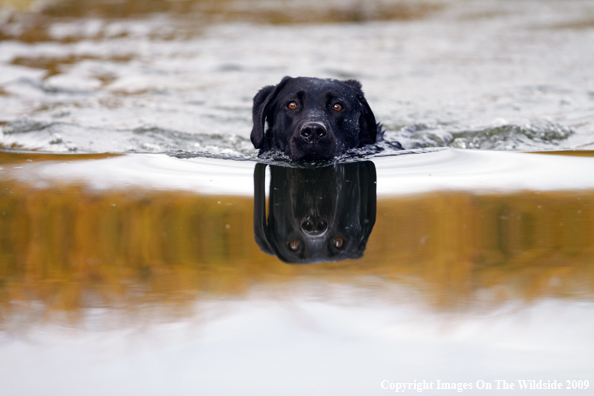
[313, 118]
[315, 214]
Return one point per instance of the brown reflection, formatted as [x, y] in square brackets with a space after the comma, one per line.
[315, 214]
[462, 247]
[269, 12]
[36, 22]
[570, 153]
[55, 65]
[22, 157]
[65, 249]
[285, 12]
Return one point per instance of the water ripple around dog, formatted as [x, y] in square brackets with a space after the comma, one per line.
[60, 137]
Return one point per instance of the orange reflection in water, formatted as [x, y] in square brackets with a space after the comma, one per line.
[65, 248]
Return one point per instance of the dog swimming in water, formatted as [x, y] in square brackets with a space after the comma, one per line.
[309, 118]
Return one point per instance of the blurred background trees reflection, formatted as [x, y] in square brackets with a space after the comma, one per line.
[66, 248]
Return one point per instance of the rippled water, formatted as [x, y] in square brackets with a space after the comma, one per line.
[485, 74]
[140, 235]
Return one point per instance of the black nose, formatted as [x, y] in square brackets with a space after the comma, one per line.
[314, 225]
[313, 131]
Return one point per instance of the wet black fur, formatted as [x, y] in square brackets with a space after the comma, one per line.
[278, 128]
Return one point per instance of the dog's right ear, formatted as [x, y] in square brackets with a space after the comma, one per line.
[262, 102]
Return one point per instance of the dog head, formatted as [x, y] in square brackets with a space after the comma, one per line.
[313, 118]
[317, 214]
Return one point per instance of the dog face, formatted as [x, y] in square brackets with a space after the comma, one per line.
[315, 215]
[312, 118]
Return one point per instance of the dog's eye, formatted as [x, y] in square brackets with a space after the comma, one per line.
[337, 106]
[293, 245]
[338, 243]
[292, 105]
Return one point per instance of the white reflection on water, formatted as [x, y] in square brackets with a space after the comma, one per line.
[482, 171]
[442, 170]
[267, 347]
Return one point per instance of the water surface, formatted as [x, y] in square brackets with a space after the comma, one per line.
[156, 283]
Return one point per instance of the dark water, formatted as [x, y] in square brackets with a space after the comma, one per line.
[145, 250]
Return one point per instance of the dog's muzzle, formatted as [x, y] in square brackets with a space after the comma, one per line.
[312, 140]
[314, 226]
[313, 132]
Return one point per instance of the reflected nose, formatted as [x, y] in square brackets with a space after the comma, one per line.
[312, 131]
[314, 225]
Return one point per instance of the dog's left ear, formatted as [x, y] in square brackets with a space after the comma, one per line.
[367, 126]
[262, 102]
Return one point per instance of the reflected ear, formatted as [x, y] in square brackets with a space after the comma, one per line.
[262, 101]
[368, 186]
[261, 232]
[368, 127]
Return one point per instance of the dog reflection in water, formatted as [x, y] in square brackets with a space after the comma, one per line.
[315, 214]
